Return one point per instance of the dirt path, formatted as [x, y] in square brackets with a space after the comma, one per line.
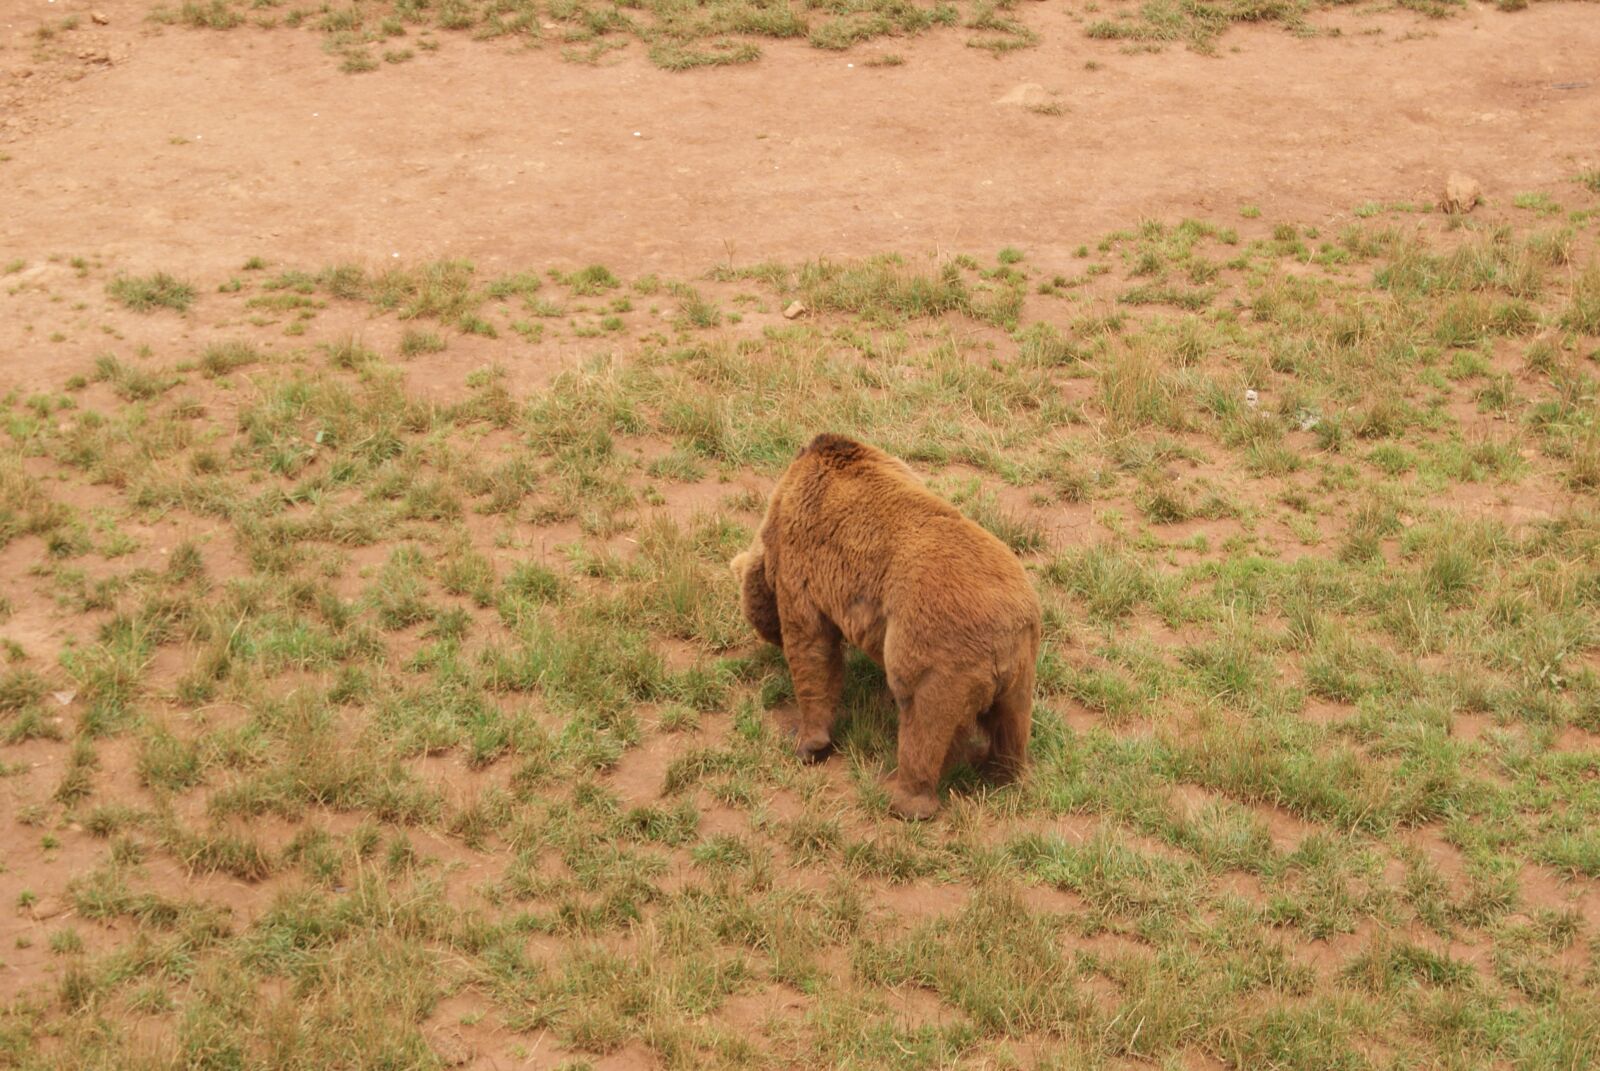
[192, 148]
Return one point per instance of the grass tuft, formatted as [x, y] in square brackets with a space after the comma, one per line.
[145, 293]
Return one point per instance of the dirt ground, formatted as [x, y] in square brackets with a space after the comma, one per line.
[189, 146]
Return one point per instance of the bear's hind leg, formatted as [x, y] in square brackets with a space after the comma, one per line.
[941, 713]
[756, 597]
[1009, 723]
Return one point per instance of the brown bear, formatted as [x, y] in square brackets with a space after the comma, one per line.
[853, 547]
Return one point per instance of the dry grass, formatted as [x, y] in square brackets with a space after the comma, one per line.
[400, 724]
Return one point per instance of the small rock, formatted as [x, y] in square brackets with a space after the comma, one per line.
[1461, 193]
[451, 1050]
[64, 698]
[795, 309]
[1026, 95]
[99, 18]
[1251, 398]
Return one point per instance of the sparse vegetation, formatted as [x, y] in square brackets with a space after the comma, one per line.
[678, 39]
[1158, 23]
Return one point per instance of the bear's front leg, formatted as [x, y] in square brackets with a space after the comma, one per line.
[812, 647]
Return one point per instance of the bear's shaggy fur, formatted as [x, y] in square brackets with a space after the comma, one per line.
[854, 548]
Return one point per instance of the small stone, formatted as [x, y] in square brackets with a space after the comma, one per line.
[99, 18]
[1461, 193]
[451, 1050]
[1026, 95]
[795, 309]
[1251, 398]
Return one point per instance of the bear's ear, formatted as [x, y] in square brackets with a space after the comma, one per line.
[759, 602]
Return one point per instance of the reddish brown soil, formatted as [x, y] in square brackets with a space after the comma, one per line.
[191, 149]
